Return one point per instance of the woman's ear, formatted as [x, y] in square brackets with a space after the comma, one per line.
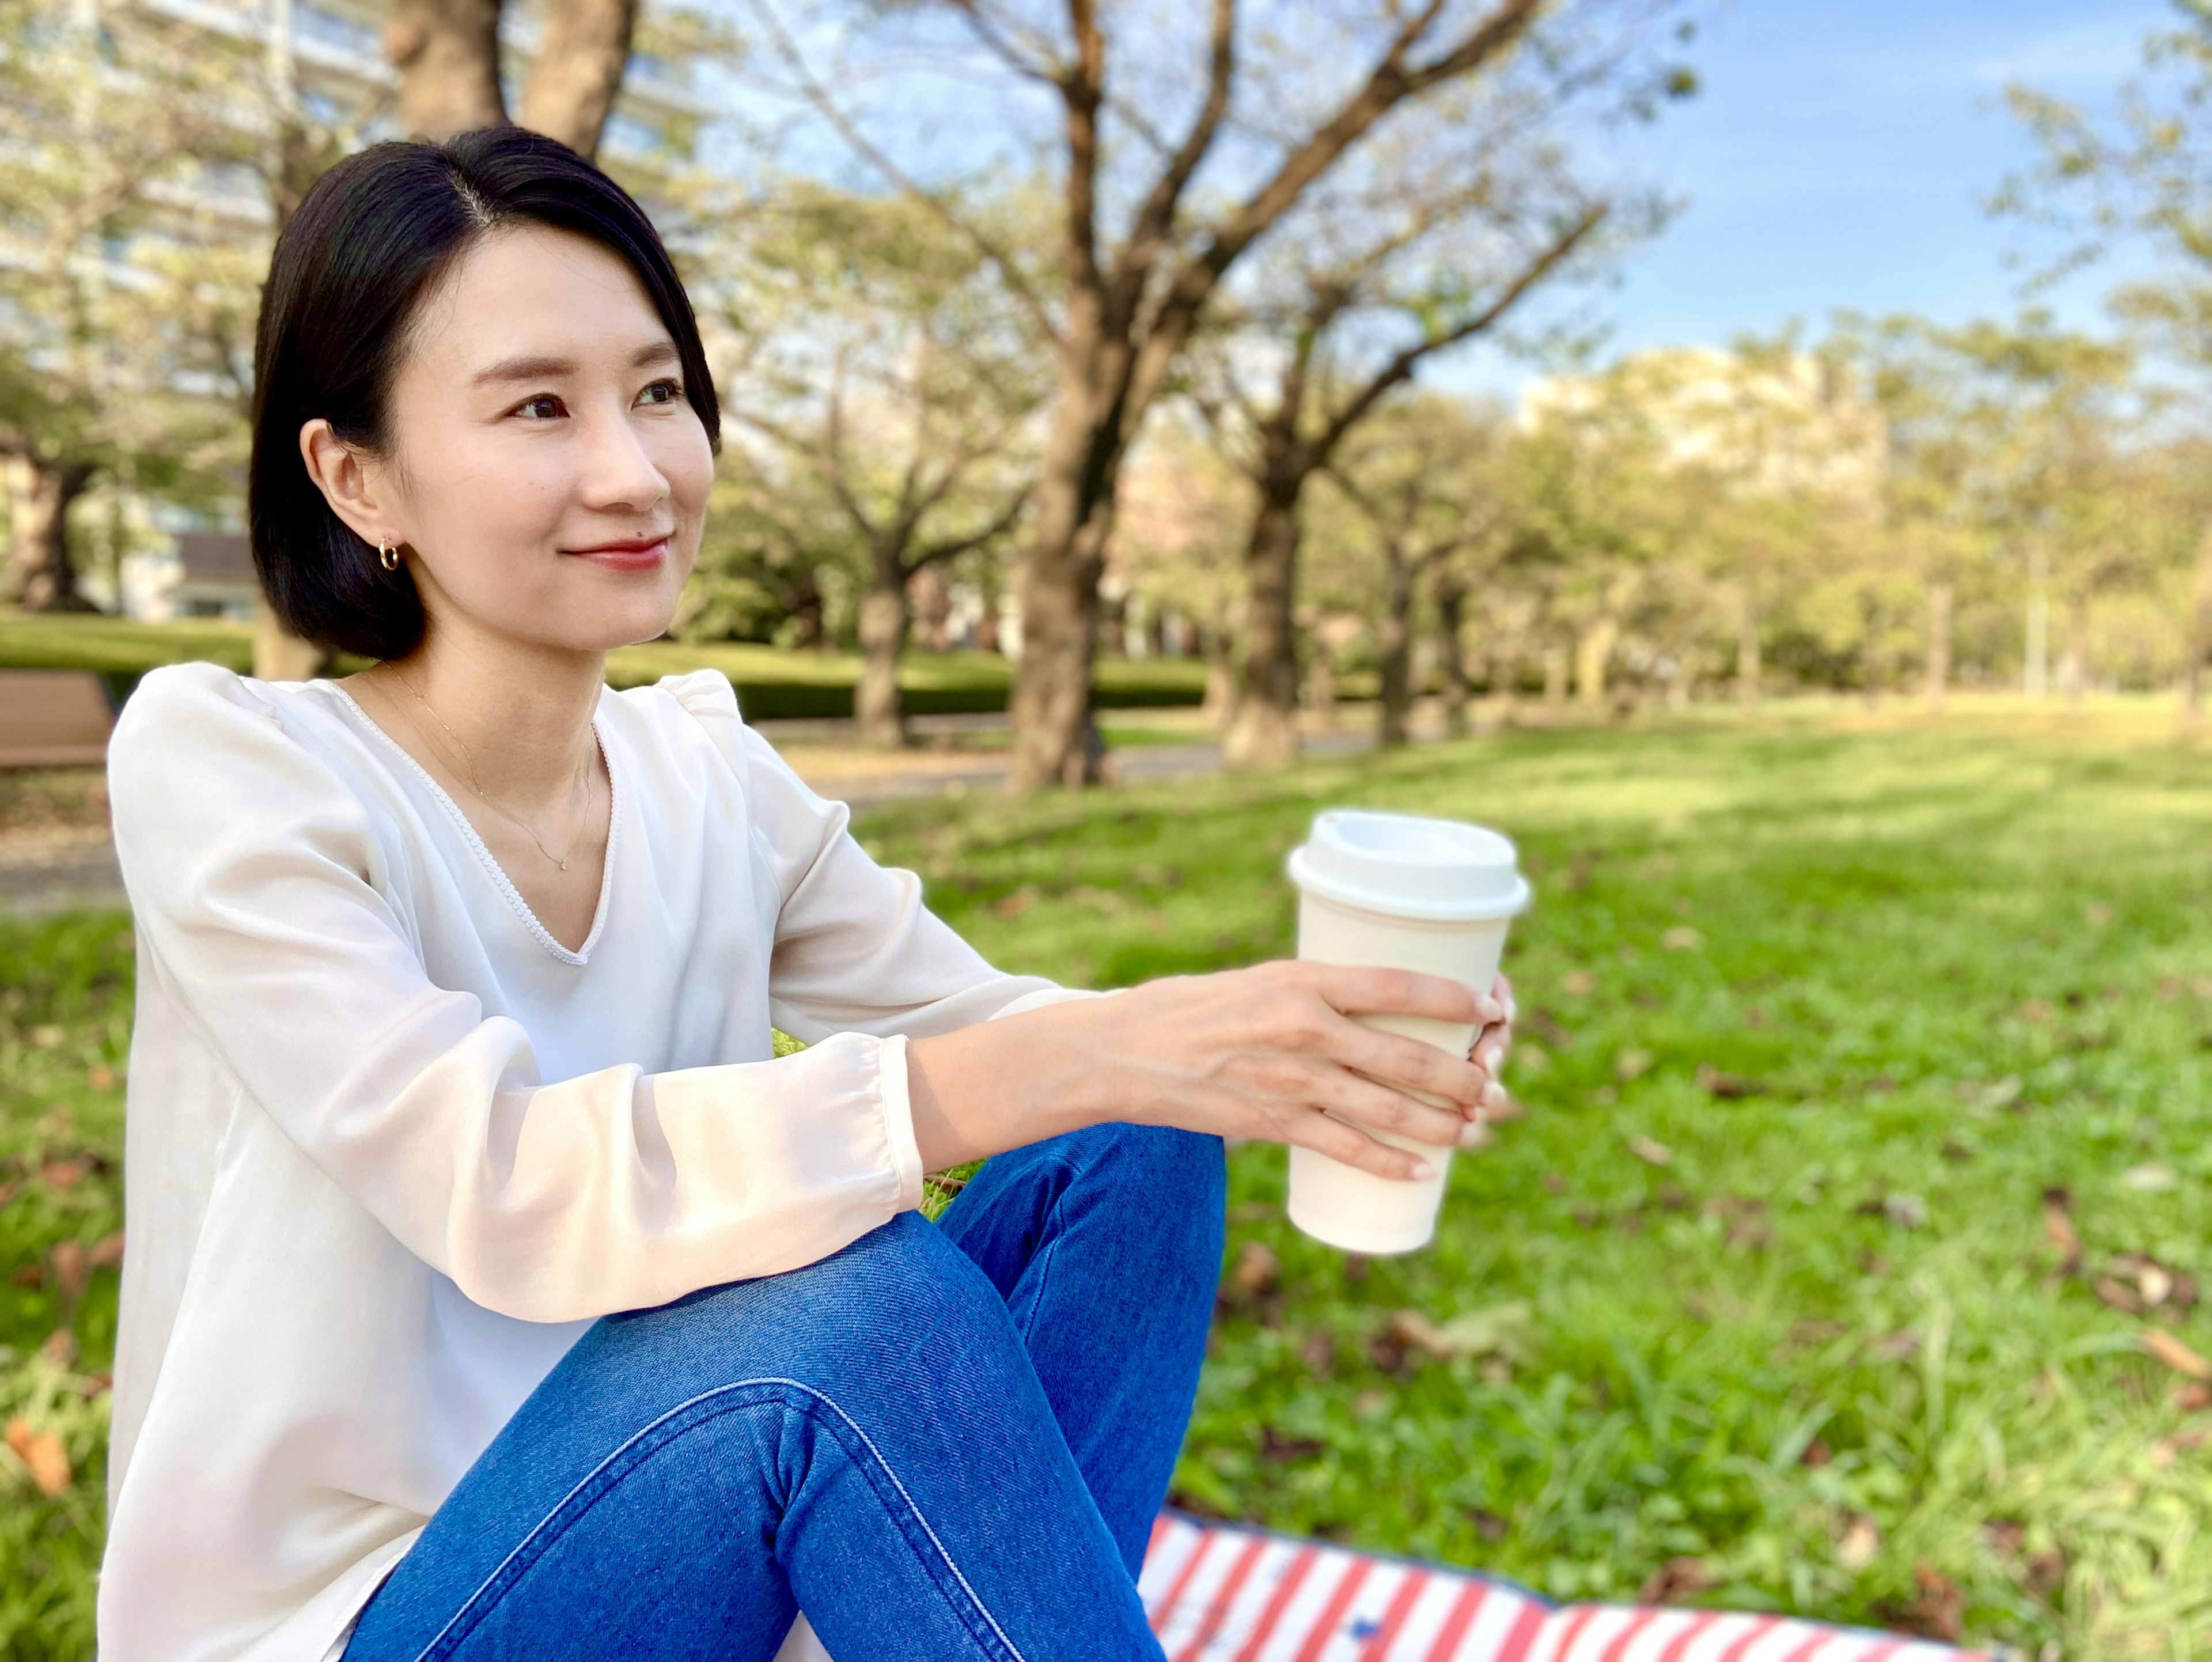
[350, 483]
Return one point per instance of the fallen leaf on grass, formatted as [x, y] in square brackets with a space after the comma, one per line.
[1278, 1450]
[2174, 1353]
[65, 1174]
[1940, 1611]
[72, 1268]
[2047, 1572]
[2193, 1398]
[1678, 1578]
[31, 1275]
[1488, 1525]
[1649, 1151]
[2175, 1443]
[1817, 1453]
[2120, 1296]
[1579, 982]
[1632, 1065]
[1862, 1540]
[42, 1455]
[44, 1038]
[2059, 1228]
[1681, 938]
[2150, 1179]
[1014, 905]
[101, 1078]
[1715, 1083]
[1507, 1330]
[1256, 1273]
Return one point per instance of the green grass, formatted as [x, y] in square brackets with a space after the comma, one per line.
[770, 682]
[1965, 964]
[1827, 1352]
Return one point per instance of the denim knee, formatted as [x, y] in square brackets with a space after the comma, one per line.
[1167, 1164]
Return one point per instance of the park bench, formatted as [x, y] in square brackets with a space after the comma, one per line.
[53, 718]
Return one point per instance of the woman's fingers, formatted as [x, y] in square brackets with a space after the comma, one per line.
[1340, 1142]
[1373, 1103]
[1360, 991]
[1399, 1061]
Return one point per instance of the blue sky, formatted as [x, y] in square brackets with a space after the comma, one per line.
[1837, 157]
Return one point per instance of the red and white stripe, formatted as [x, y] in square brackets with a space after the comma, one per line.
[1220, 1594]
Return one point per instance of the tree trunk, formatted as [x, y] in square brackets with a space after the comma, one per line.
[1220, 706]
[42, 577]
[582, 52]
[1748, 668]
[2073, 661]
[447, 52]
[1264, 732]
[1451, 606]
[1055, 740]
[1397, 644]
[1941, 599]
[1592, 655]
[1555, 676]
[878, 711]
[2196, 637]
[2035, 657]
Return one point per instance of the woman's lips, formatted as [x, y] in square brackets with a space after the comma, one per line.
[625, 557]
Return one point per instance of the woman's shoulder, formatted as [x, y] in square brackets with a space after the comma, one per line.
[198, 741]
[195, 708]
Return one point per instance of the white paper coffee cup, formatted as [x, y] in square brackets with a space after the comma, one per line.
[1392, 891]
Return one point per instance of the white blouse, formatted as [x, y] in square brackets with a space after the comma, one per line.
[391, 1147]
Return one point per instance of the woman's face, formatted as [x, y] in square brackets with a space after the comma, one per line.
[545, 469]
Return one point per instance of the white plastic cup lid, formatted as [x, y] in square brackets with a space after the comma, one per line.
[1401, 865]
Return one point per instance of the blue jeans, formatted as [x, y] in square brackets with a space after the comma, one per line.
[945, 1441]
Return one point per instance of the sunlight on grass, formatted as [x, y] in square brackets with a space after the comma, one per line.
[1934, 974]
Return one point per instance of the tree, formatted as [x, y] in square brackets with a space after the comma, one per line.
[1156, 212]
[447, 54]
[130, 280]
[872, 359]
[1432, 251]
[2136, 172]
[1423, 475]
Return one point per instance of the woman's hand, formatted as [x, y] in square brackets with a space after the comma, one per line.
[1270, 1052]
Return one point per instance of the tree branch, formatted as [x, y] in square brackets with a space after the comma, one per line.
[818, 96]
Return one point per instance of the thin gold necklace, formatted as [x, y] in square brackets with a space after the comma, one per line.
[469, 767]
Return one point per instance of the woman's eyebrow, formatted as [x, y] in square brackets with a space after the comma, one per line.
[543, 367]
[524, 368]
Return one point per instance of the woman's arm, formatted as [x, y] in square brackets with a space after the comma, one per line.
[1270, 1052]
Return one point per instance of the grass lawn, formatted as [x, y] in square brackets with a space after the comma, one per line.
[1863, 1165]
[770, 682]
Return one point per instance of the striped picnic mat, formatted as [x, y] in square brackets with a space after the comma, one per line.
[1218, 1593]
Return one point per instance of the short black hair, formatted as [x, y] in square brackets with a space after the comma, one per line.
[372, 237]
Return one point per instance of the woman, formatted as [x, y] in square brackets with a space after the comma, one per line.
[491, 1291]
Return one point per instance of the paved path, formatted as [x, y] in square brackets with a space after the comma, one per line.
[36, 878]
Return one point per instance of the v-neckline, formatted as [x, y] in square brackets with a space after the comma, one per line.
[546, 938]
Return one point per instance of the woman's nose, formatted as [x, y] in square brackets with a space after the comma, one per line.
[618, 471]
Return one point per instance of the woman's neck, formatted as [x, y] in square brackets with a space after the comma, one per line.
[521, 713]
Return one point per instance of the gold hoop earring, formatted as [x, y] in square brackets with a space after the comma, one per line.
[387, 554]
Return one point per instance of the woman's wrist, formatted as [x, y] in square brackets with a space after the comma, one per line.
[999, 1085]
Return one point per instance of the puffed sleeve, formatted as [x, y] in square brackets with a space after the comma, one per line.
[856, 950]
[258, 883]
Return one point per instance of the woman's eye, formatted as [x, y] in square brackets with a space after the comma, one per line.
[543, 407]
[661, 392]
